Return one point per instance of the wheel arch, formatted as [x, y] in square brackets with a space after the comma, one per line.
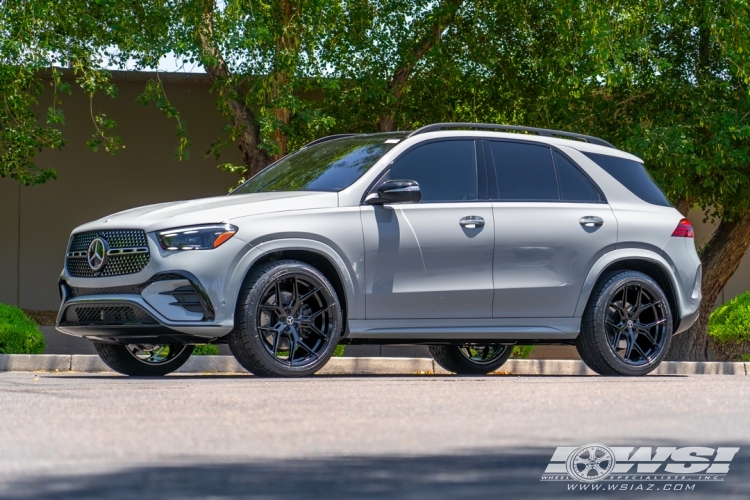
[316, 254]
[646, 262]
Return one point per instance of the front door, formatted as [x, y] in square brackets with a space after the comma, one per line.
[432, 259]
[551, 225]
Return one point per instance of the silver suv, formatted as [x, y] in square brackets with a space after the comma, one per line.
[468, 238]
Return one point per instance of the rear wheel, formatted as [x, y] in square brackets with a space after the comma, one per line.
[144, 360]
[627, 326]
[471, 359]
[288, 321]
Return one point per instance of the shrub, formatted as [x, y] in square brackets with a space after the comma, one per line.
[18, 333]
[729, 328]
[339, 351]
[205, 350]
[522, 351]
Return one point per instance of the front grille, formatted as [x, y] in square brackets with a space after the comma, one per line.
[106, 314]
[117, 265]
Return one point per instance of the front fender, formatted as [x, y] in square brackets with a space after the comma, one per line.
[354, 303]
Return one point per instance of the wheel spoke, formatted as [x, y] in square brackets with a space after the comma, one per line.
[270, 308]
[638, 298]
[616, 343]
[646, 333]
[304, 346]
[315, 329]
[318, 313]
[295, 303]
[276, 338]
[278, 296]
[629, 347]
[292, 349]
[610, 323]
[638, 349]
[646, 306]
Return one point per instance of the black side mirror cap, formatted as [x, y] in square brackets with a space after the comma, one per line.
[395, 191]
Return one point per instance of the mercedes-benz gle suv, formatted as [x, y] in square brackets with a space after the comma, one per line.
[468, 238]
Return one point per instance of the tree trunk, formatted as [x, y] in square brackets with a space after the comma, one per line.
[720, 259]
[243, 118]
[443, 16]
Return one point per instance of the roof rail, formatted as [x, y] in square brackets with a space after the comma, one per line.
[327, 138]
[489, 126]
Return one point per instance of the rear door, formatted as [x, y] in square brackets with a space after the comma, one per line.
[551, 224]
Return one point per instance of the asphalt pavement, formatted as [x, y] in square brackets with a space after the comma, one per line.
[88, 436]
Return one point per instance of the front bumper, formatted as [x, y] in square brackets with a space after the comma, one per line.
[171, 306]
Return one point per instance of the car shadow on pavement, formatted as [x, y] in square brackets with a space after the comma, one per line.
[510, 474]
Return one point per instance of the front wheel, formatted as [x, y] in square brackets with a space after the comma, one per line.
[627, 325]
[288, 321]
[144, 360]
[471, 359]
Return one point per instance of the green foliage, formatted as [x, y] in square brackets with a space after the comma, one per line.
[730, 322]
[206, 350]
[339, 351]
[522, 351]
[18, 333]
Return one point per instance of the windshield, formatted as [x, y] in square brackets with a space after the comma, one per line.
[329, 166]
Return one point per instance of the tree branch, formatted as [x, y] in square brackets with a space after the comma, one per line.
[443, 16]
[243, 118]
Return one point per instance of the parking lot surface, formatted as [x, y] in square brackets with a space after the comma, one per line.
[105, 436]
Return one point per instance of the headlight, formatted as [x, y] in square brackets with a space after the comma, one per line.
[196, 237]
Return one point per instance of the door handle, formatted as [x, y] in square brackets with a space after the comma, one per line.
[471, 222]
[591, 221]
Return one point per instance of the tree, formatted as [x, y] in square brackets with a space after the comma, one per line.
[683, 106]
[374, 54]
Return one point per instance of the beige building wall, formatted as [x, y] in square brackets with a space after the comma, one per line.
[740, 281]
[92, 185]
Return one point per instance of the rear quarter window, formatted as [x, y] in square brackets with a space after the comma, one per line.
[632, 175]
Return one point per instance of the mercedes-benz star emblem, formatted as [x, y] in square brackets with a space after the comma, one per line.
[97, 254]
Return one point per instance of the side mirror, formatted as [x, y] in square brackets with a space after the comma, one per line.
[395, 191]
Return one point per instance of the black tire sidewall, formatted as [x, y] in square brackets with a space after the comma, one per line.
[117, 357]
[450, 358]
[248, 310]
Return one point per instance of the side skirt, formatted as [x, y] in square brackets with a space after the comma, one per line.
[510, 329]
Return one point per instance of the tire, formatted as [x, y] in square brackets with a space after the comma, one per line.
[288, 321]
[471, 360]
[627, 326]
[133, 360]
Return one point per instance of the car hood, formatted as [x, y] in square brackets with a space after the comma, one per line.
[210, 210]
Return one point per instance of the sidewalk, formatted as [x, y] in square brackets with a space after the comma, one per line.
[359, 366]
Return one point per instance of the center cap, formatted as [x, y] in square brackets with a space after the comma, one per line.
[630, 323]
[290, 320]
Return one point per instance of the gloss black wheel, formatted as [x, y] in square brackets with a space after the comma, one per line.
[288, 321]
[627, 326]
[471, 359]
[144, 360]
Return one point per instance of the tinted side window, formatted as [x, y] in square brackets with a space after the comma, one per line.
[574, 185]
[445, 171]
[524, 171]
[633, 176]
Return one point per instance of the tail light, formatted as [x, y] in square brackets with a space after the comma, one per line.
[684, 229]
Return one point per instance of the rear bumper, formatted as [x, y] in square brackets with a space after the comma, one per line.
[686, 322]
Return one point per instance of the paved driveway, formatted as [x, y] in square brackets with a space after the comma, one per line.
[106, 436]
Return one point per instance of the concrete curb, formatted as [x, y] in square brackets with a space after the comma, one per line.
[358, 366]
